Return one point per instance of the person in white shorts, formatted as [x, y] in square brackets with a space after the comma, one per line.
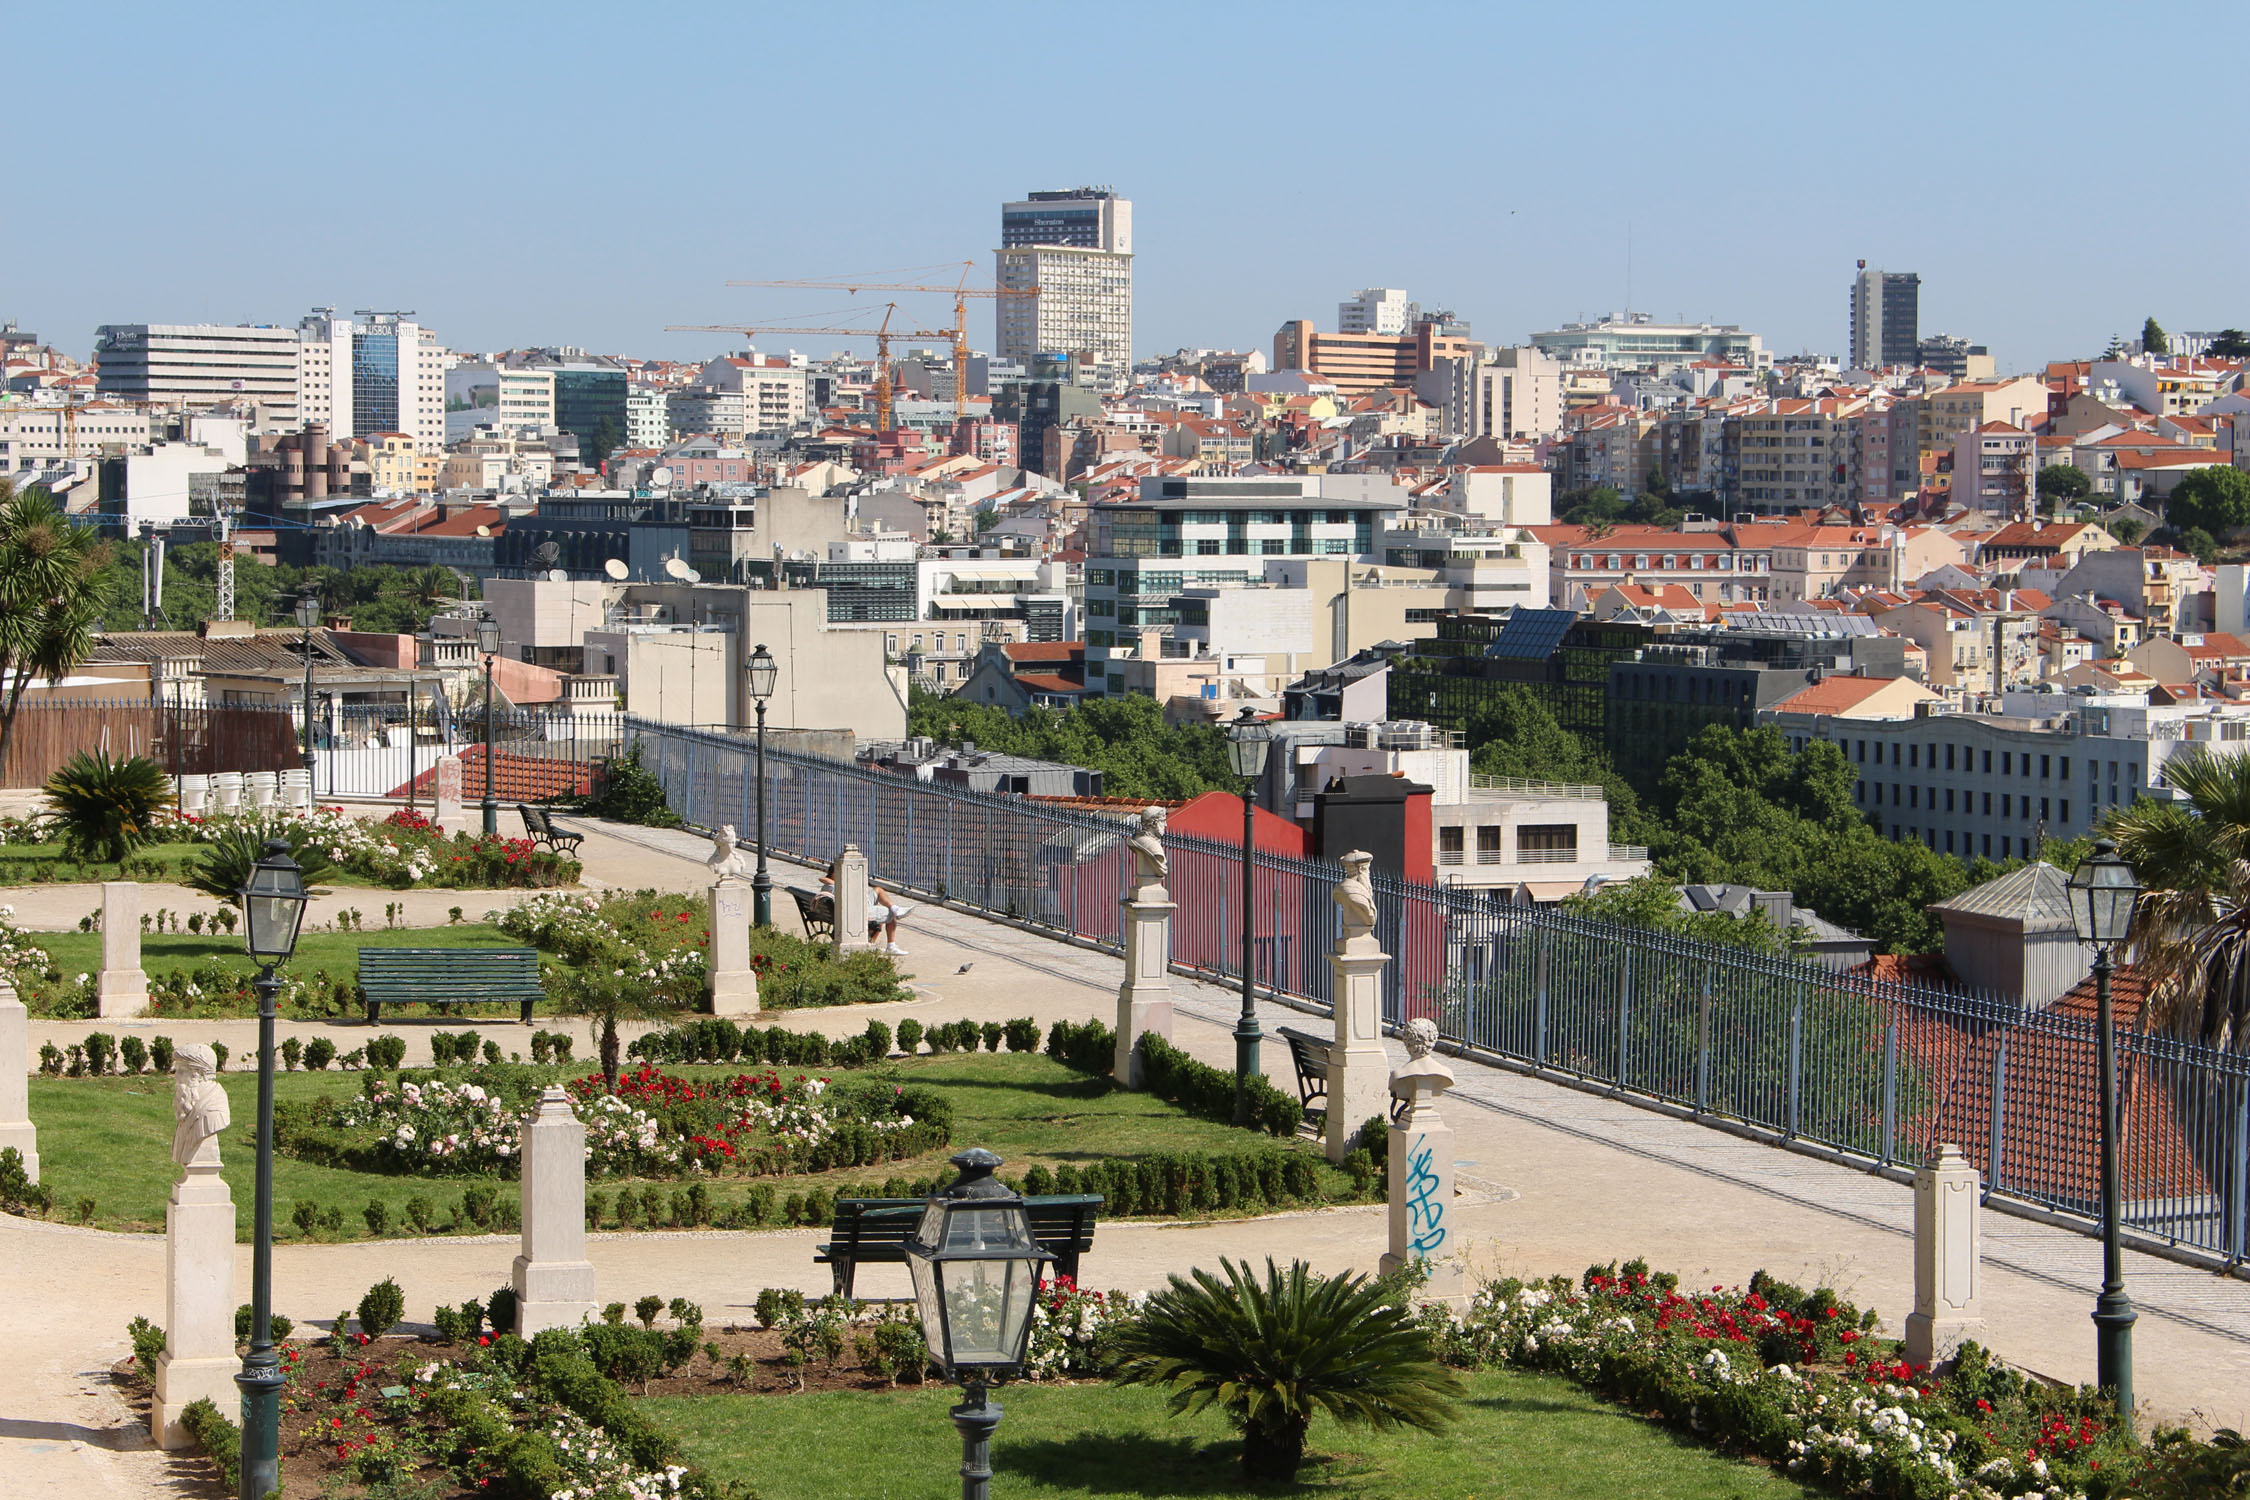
[884, 912]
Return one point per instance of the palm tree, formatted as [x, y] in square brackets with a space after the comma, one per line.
[432, 587]
[2192, 930]
[1272, 1352]
[106, 808]
[52, 591]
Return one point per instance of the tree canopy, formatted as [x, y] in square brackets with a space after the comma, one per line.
[2216, 500]
[2060, 484]
[53, 585]
[2153, 338]
[1125, 738]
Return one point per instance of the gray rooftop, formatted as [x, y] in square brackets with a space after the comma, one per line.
[2036, 896]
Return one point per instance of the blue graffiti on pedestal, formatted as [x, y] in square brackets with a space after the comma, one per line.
[1425, 1215]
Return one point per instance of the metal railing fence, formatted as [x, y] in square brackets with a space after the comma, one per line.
[1879, 1069]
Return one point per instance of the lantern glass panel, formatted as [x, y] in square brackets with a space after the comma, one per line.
[488, 636]
[987, 1306]
[273, 903]
[763, 671]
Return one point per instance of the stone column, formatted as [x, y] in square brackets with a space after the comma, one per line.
[198, 1361]
[445, 796]
[16, 1128]
[1948, 1253]
[1358, 1067]
[1421, 1144]
[1144, 1000]
[851, 900]
[734, 984]
[122, 989]
[554, 1281]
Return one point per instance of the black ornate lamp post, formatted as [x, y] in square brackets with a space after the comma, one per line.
[308, 615]
[763, 671]
[1248, 742]
[2103, 892]
[488, 642]
[273, 907]
[976, 1271]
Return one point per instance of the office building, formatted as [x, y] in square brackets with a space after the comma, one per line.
[1886, 319]
[1076, 248]
[372, 372]
[1956, 358]
[1380, 309]
[590, 398]
[1635, 341]
[200, 364]
[1359, 362]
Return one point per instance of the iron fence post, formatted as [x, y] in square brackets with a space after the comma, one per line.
[1539, 1007]
[2238, 1192]
[1796, 1063]
[1890, 1091]
[1993, 1160]
[1624, 1019]
[1703, 1050]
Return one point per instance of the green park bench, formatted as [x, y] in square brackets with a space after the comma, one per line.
[817, 910]
[875, 1230]
[540, 828]
[1309, 1055]
[449, 977]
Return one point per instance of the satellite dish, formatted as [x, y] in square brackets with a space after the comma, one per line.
[693, 576]
[660, 477]
[557, 575]
[674, 568]
[484, 531]
[547, 554]
[616, 568]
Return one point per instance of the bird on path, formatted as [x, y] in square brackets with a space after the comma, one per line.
[965, 968]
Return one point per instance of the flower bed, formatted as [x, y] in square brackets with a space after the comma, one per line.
[1801, 1379]
[663, 941]
[654, 1125]
[405, 849]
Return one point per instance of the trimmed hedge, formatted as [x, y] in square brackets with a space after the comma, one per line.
[1203, 1090]
[1190, 1182]
[1087, 1046]
[220, 1439]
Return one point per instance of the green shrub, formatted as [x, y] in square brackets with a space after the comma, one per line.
[378, 1217]
[994, 1033]
[381, 1308]
[291, 1051]
[148, 1345]
[1022, 1034]
[878, 1040]
[135, 1053]
[500, 1310]
[910, 1036]
[305, 1214]
[386, 1051]
[223, 867]
[277, 1326]
[160, 1053]
[627, 792]
[220, 1439]
[1203, 1090]
[319, 1053]
[219, 1053]
[107, 808]
[1087, 1046]
[100, 1048]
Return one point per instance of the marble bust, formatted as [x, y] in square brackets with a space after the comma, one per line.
[1151, 862]
[199, 1107]
[727, 859]
[1355, 896]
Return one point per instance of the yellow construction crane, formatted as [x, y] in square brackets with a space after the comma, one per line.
[882, 334]
[960, 292]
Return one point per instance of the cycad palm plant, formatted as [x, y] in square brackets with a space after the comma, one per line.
[2192, 929]
[106, 807]
[52, 590]
[223, 869]
[1271, 1352]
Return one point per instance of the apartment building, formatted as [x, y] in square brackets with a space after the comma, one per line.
[1996, 470]
[1886, 319]
[1796, 453]
[1636, 341]
[1380, 310]
[37, 437]
[513, 398]
[1355, 363]
[200, 364]
[1946, 414]
[741, 396]
[648, 416]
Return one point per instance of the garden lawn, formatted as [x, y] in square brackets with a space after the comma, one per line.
[110, 1138]
[1522, 1437]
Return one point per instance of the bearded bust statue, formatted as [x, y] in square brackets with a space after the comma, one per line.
[199, 1107]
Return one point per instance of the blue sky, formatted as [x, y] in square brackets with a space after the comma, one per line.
[587, 174]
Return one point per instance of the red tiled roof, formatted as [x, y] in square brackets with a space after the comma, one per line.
[522, 778]
[1030, 651]
[1832, 695]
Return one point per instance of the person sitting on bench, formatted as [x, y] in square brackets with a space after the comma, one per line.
[884, 911]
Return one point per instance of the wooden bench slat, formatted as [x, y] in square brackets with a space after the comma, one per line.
[876, 1230]
[450, 976]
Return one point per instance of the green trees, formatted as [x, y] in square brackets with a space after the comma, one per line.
[2232, 343]
[1272, 1352]
[2153, 338]
[2063, 484]
[1125, 738]
[2192, 929]
[1513, 733]
[107, 807]
[2125, 529]
[601, 442]
[2215, 500]
[52, 593]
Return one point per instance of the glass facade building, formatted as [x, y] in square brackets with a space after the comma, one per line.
[374, 383]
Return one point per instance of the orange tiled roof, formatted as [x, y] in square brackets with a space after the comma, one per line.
[521, 778]
[1832, 695]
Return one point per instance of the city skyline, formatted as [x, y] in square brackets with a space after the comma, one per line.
[603, 235]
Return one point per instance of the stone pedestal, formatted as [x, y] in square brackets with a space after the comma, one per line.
[16, 1128]
[199, 1361]
[734, 984]
[445, 797]
[554, 1281]
[1948, 1253]
[1144, 1000]
[851, 900]
[1358, 1067]
[122, 989]
[1421, 1147]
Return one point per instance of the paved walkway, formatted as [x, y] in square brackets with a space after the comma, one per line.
[1562, 1178]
